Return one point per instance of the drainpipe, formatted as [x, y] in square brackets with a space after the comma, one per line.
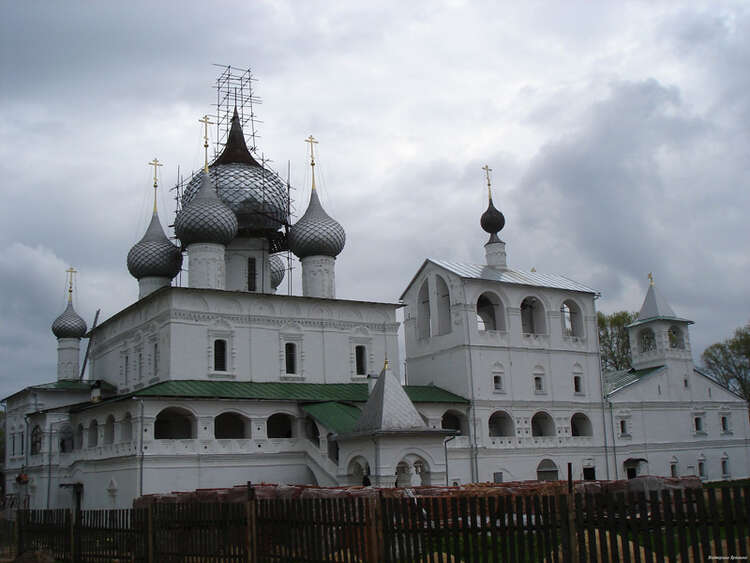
[49, 463]
[603, 393]
[474, 453]
[445, 447]
[377, 462]
[140, 469]
[614, 450]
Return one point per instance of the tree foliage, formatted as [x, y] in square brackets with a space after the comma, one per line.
[614, 345]
[729, 361]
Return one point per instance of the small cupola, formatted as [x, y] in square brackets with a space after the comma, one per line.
[69, 328]
[492, 222]
[206, 219]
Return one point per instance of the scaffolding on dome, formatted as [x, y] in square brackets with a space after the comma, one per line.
[234, 88]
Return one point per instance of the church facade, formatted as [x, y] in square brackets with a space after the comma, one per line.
[225, 381]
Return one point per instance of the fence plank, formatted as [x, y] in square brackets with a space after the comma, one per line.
[729, 521]
[741, 518]
[715, 519]
[681, 524]
[669, 531]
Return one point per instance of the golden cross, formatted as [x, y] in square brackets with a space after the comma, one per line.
[312, 142]
[155, 163]
[487, 171]
[70, 271]
[651, 278]
[206, 123]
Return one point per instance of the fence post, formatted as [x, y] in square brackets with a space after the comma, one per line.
[150, 532]
[572, 529]
[252, 530]
[374, 528]
[72, 529]
[19, 532]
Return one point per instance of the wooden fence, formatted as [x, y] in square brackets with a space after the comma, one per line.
[684, 526]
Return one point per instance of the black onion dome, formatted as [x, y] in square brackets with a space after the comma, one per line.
[277, 270]
[258, 197]
[316, 233]
[205, 218]
[154, 255]
[69, 324]
[492, 220]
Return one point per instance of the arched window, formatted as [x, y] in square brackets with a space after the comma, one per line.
[290, 358]
[36, 440]
[443, 306]
[572, 319]
[454, 420]
[78, 441]
[251, 274]
[220, 355]
[501, 424]
[490, 312]
[580, 425]
[646, 340]
[174, 423]
[93, 433]
[109, 430]
[546, 470]
[532, 316]
[360, 357]
[279, 425]
[423, 311]
[676, 340]
[311, 431]
[230, 425]
[126, 431]
[542, 425]
[66, 439]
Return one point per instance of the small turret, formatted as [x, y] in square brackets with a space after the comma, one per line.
[492, 222]
[69, 328]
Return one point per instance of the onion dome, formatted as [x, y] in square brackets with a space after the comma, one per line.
[154, 255]
[205, 218]
[69, 324]
[256, 195]
[316, 233]
[492, 220]
[277, 270]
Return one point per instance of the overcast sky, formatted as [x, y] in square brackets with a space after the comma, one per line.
[618, 134]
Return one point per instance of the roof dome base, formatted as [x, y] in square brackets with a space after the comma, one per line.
[149, 284]
[319, 276]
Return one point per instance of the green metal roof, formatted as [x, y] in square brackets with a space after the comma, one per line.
[65, 385]
[338, 417]
[354, 392]
[616, 380]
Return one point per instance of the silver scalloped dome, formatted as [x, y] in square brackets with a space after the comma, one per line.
[154, 255]
[257, 196]
[278, 268]
[205, 218]
[316, 233]
[69, 324]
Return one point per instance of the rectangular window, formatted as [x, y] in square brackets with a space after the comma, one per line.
[498, 382]
[701, 469]
[13, 444]
[724, 467]
[127, 368]
[538, 384]
[360, 353]
[251, 284]
[724, 424]
[497, 477]
[290, 353]
[685, 383]
[673, 469]
[156, 358]
[22, 442]
[623, 427]
[577, 384]
[220, 355]
[589, 474]
[698, 423]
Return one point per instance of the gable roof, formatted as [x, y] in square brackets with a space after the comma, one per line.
[614, 381]
[388, 408]
[67, 385]
[505, 275]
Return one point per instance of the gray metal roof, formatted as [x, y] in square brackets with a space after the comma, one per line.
[316, 233]
[389, 408]
[616, 380]
[656, 307]
[69, 324]
[205, 218]
[154, 254]
[484, 272]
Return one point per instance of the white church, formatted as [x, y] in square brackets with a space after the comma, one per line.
[226, 381]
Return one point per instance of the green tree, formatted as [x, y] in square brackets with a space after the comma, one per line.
[729, 361]
[614, 345]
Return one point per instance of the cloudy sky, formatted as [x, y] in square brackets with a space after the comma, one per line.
[618, 133]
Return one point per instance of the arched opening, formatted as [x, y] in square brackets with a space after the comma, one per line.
[580, 425]
[546, 470]
[311, 431]
[126, 433]
[36, 440]
[220, 355]
[646, 340]
[634, 467]
[542, 425]
[423, 311]
[572, 319]
[279, 425]
[65, 437]
[78, 440]
[454, 420]
[230, 425]
[412, 471]
[676, 340]
[93, 433]
[532, 316]
[174, 423]
[501, 424]
[109, 430]
[490, 312]
[359, 472]
[290, 358]
[443, 306]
